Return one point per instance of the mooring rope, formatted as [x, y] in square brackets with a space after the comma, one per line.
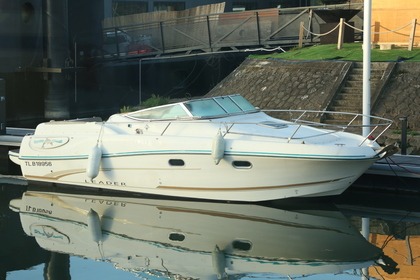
[357, 29]
[322, 34]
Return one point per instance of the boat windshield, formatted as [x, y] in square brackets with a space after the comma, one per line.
[200, 108]
[167, 112]
[218, 106]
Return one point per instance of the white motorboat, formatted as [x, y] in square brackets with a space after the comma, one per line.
[220, 148]
[201, 240]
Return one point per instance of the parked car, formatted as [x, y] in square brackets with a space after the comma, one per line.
[116, 43]
[141, 45]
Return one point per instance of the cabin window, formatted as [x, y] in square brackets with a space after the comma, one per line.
[166, 112]
[228, 104]
[204, 108]
[243, 103]
[241, 164]
[242, 245]
[176, 162]
[175, 236]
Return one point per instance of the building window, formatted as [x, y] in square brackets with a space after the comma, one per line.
[243, 6]
[169, 6]
[123, 8]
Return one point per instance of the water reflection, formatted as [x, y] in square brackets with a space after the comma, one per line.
[204, 240]
[14, 243]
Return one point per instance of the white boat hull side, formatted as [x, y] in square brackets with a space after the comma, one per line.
[246, 157]
[268, 178]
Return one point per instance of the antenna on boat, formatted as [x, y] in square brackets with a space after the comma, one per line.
[367, 16]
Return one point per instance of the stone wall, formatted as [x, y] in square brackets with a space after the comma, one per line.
[402, 95]
[278, 84]
[402, 99]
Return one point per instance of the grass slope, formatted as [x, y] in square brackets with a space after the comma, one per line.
[351, 51]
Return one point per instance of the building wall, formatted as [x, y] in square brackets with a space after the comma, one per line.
[392, 15]
[20, 29]
[111, 9]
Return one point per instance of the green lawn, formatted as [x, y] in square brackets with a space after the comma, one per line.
[351, 51]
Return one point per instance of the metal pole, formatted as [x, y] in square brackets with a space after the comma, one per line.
[75, 72]
[208, 32]
[258, 27]
[365, 233]
[403, 135]
[366, 228]
[56, 100]
[139, 81]
[2, 107]
[367, 9]
[117, 41]
[162, 38]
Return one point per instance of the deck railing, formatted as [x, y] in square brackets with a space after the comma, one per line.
[335, 121]
[224, 31]
[332, 122]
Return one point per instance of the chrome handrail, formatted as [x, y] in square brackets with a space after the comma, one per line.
[386, 123]
[299, 122]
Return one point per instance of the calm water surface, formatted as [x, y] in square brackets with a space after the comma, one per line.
[62, 233]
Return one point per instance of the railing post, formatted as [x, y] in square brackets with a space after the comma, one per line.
[403, 135]
[301, 29]
[140, 80]
[2, 107]
[258, 27]
[340, 34]
[161, 36]
[117, 41]
[412, 35]
[208, 32]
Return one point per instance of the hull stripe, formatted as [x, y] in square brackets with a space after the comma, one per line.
[203, 152]
[175, 188]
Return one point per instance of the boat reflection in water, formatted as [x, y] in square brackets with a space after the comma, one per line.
[194, 239]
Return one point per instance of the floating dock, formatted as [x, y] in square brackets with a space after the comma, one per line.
[406, 166]
[14, 136]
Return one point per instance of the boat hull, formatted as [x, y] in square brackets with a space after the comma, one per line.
[267, 178]
[250, 160]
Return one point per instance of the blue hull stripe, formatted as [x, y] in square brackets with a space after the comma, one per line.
[203, 152]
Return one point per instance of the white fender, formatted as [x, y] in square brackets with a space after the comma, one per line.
[219, 262]
[94, 225]
[93, 163]
[218, 148]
